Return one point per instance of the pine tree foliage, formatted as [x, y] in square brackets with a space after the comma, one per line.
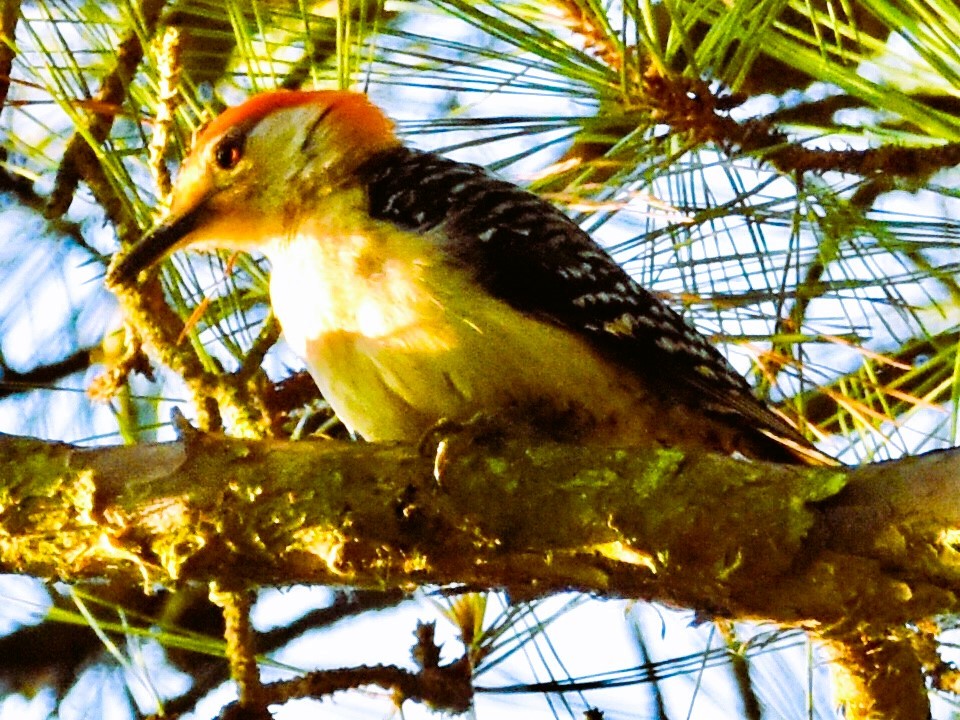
[782, 171]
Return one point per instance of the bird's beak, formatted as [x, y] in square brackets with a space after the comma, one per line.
[154, 245]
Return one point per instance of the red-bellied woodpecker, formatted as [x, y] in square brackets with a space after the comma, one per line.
[417, 288]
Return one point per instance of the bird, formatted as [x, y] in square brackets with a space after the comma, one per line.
[418, 289]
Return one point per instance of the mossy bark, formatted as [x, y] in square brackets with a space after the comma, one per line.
[850, 552]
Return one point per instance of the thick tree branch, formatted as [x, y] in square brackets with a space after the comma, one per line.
[850, 553]
[875, 544]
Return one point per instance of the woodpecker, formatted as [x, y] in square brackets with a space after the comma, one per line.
[419, 289]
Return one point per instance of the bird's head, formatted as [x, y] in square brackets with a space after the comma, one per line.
[253, 168]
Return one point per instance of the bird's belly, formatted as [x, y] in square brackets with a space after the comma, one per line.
[387, 388]
[396, 386]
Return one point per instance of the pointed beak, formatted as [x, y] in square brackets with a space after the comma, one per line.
[153, 246]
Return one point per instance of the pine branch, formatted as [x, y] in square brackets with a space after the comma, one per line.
[856, 552]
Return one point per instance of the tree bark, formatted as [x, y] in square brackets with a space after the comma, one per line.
[848, 552]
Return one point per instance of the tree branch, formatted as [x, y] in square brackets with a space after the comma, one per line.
[17, 381]
[745, 539]
[849, 552]
[79, 159]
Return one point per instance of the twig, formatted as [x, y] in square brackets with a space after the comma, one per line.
[446, 688]
[9, 17]
[13, 382]
[241, 652]
[79, 160]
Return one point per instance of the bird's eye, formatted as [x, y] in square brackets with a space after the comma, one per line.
[228, 151]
